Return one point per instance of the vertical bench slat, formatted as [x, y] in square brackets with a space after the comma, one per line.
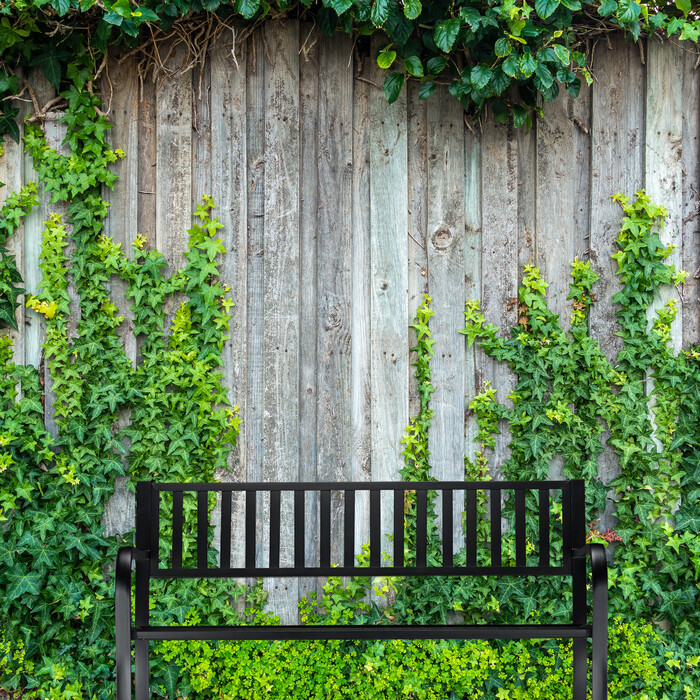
[155, 527]
[398, 527]
[299, 557]
[375, 527]
[274, 529]
[447, 545]
[349, 534]
[225, 545]
[566, 524]
[325, 534]
[202, 528]
[495, 527]
[250, 498]
[544, 527]
[470, 507]
[520, 538]
[177, 529]
[421, 527]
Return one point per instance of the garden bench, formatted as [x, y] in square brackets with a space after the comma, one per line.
[158, 503]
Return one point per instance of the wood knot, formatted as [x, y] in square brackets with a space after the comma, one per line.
[442, 238]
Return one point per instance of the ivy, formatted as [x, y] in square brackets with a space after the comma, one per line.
[481, 49]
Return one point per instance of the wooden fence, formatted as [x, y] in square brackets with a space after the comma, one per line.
[340, 211]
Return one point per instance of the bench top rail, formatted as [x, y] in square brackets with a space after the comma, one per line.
[291, 529]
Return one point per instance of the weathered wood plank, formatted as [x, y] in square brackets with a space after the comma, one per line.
[617, 134]
[146, 196]
[360, 453]
[417, 145]
[527, 196]
[691, 199]
[563, 152]
[445, 243]
[617, 143]
[122, 223]
[228, 189]
[281, 284]
[11, 170]
[388, 284]
[334, 271]
[174, 161]
[663, 159]
[499, 269]
[255, 188]
[308, 330]
[473, 380]
[33, 226]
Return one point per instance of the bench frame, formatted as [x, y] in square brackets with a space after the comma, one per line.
[575, 554]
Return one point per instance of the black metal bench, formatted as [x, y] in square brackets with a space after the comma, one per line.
[240, 503]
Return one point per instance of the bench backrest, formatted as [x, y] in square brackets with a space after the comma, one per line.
[304, 514]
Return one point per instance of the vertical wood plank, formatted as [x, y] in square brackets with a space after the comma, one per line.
[174, 161]
[11, 170]
[228, 188]
[308, 330]
[281, 283]
[473, 381]
[388, 284]
[445, 244]
[201, 134]
[499, 270]
[617, 134]
[146, 197]
[33, 226]
[361, 326]
[255, 178]
[563, 152]
[417, 148]
[617, 143]
[691, 200]
[663, 160]
[527, 196]
[334, 261]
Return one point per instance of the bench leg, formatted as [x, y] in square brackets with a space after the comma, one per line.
[122, 614]
[141, 668]
[580, 669]
[600, 622]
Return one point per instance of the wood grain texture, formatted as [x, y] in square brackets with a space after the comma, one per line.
[146, 198]
[334, 272]
[473, 363]
[417, 149]
[663, 160]
[360, 450]
[388, 285]
[445, 244]
[281, 285]
[499, 266]
[34, 326]
[690, 222]
[563, 151]
[617, 143]
[308, 326]
[11, 171]
[174, 161]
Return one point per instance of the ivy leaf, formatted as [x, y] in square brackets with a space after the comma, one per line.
[685, 6]
[21, 582]
[341, 6]
[563, 54]
[480, 77]
[386, 58]
[545, 8]
[380, 12]
[628, 11]
[607, 7]
[688, 518]
[527, 64]
[412, 8]
[544, 76]
[392, 86]
[511, 66]
[414, 66]
[445, 34]
[502, 47]
[51, 59]
[247, 8]
[573, 5]
[426, 90]
[435, 65]
[171, 676]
